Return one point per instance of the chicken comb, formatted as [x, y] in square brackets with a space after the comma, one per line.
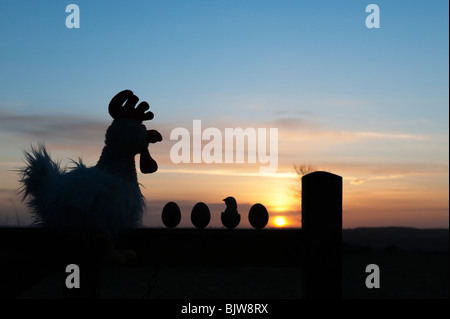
[123, 104]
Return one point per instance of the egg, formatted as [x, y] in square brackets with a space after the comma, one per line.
[200, 215]
[258, 216]
[229, 220]
[171, 215]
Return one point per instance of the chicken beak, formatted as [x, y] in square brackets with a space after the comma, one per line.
[147, 164]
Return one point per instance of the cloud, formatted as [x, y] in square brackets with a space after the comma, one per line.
[300, 139]
[294, 123]
[378, 135]
[242, 172]
[359, 181]
[53, 127]
[316, 133]
[7, 190]
[358, 173]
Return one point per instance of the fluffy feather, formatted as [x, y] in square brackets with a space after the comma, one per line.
[95, 204]
[79, 200]
[100, 200]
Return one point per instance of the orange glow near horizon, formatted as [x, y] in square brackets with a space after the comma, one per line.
[280, 221]
[281, 202]
[419, 201]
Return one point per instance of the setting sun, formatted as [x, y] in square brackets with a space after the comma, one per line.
[280, 221]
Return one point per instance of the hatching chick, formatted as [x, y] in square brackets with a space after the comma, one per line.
[230, 217]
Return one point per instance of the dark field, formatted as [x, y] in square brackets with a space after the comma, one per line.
[403, 275]
[407, 271]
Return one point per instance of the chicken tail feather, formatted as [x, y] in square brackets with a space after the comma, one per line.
[36, 178]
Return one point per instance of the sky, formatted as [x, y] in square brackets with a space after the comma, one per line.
[368, 104]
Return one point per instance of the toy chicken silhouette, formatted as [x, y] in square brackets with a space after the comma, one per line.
[230, 217]
[100, 201]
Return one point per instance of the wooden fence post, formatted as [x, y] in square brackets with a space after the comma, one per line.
[322, 227]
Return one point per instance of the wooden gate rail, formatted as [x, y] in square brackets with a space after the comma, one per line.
[216, 247]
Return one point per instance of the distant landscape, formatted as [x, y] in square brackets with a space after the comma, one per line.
[414, 263]
[403, 238]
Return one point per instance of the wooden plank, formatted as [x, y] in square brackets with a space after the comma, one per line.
[174, 247]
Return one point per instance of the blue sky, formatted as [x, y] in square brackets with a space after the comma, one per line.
[190, 52]
[370, 97]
